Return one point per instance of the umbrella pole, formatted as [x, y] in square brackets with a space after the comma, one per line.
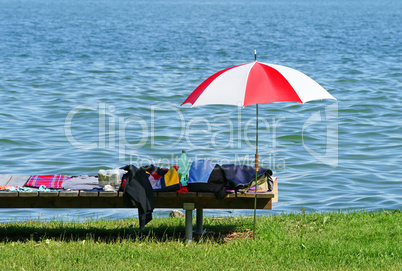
[256, 161]
[256, 173]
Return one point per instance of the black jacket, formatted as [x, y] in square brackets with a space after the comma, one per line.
[138, 193]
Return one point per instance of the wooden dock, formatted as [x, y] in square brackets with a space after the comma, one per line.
[113, 199]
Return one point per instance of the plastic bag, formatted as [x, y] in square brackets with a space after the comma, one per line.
[110, 177]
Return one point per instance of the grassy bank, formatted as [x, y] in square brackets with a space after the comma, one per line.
[360, 240]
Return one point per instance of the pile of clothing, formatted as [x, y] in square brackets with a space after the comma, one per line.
[139, 184]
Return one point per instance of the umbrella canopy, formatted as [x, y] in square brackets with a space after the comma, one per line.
[257, 83]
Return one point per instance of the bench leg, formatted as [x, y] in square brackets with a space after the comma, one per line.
[199, 222]
[189, 226]
[189, 207]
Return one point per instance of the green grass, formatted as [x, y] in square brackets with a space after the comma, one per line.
[318, 241]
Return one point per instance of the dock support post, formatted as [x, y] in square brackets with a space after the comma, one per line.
[199, 221]
[189, 207]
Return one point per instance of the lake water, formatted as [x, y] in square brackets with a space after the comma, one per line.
[87, 85]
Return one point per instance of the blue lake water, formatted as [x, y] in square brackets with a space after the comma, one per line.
[88, 85]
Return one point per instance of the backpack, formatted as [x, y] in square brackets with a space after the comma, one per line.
[205, 176]
[241, 178]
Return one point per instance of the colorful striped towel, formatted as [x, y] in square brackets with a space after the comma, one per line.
[50, 181]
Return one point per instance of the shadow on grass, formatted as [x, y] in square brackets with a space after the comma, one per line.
[128, 231]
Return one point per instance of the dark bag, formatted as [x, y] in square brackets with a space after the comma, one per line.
[205, 176]
[241, 178]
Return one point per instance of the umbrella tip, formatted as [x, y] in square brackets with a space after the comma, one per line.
[255, 55]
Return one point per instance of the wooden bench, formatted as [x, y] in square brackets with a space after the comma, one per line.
[163, 200]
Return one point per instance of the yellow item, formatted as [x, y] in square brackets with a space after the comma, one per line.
[171, 177]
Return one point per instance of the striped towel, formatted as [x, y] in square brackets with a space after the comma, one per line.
[50, 181]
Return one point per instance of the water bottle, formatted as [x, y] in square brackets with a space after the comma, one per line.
[183, 168]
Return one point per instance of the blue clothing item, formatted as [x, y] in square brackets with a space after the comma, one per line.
[200, 171]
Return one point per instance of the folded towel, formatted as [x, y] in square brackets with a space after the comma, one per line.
[50, 181]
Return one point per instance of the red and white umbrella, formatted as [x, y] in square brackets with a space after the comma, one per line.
[257, 83]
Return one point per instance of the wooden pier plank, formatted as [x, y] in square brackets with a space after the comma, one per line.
[18, 180]
[8, 194]
[206, 195]
[167, 194]
[68, 194]
[48, 194]
[4, 178]
[252, 195]
[87, 194]
[187, 195]
[108, 194]
[28, 194]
